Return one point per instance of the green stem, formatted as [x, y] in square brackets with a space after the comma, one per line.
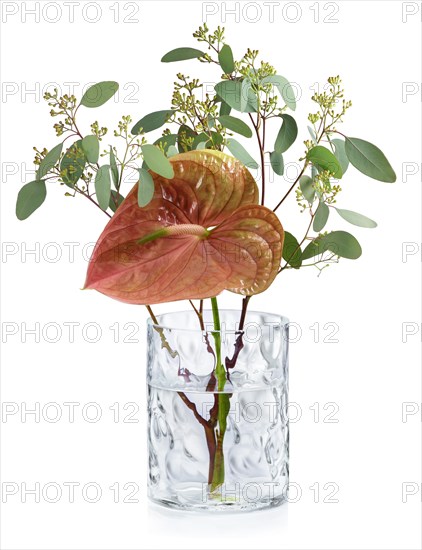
[219, 368]
[222, 402]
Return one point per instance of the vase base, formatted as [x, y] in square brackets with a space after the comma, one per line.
[195, 499]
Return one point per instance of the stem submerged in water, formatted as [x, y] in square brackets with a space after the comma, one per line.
[222, 402]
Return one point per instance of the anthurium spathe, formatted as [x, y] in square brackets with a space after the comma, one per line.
[203, 232]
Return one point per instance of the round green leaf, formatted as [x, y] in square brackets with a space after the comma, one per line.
[321, 217]
[277, 163]
[30, 197]
[103, 186]
[91, 148]
[225, 109]
[235, 125]
[145, 188]
[73, 164]
[286, 135]
[183, 134]
[181, 54]
[340, 153]
[369, 160]
[214, 140]
[238, 95]
[292, 253]
[157, 161]
[171, 151]
[100, 93]
[307, 188]
[238, 151]
[152, 121]
[115, 197]
[202, 137]
[284, 87]
[341, 243]
[356, 219]
[49, 161]
[225, 58]
[166, 141]
[324, 159]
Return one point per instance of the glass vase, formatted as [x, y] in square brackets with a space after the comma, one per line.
[218, 434]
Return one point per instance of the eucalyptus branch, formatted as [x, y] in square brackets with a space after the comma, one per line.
[198, 314]
[261, 154]
[91, 199]
[299, 245]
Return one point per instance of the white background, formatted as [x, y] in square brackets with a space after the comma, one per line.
[369, 373]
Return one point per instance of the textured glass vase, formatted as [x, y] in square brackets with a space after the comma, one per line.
[212, 448]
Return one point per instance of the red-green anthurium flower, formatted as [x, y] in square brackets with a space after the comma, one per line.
[203, 232]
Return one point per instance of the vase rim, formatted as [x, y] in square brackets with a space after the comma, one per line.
[274, 319]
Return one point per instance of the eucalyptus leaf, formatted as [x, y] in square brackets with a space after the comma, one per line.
[30, 197]
[184, 133]
[114, 169]
[181, 54]
[307, 188]
[200, 138]
[214, 140]
[171, 151]
[369, 160]
[103, 186]
[292, 253]
[166, 141]
[356, 219]
[152, 121]
[73, 164]
[321, 217]
[312, 134]
[115, 197]
[235, 125]
[145, 188]
[284, 87]
[225, 109]
[245, 91]
[277, 163]
[91, 148]
[286, 135]
[237, 95]
[225, 58]
[238, 151]
[340, 153]
[99, 93]
[49, 161]
[324, 159]
[341, 243]
[157, 161]
[201, 146]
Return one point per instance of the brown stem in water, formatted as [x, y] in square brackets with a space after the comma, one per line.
[209, 431]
